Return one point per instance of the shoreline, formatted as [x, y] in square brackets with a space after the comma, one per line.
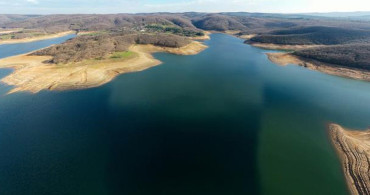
[205, 37]
[32, 39]
[353, 149]
[31, 74]
[4, 31]
[284, 59]
[271, 46]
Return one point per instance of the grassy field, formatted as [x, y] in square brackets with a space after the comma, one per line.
[21, 34]
[122, 55]
[95, 33]
[5, 37]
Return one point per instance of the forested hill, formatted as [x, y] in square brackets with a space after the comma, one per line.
[347, 40]
[317, 35]
[350, 56]
[244, 22]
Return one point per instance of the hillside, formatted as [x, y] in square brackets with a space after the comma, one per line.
[8, 18]
[58, 23]
[245, 22]
[317, 35]
[218, 22]
[351, 56]
[109, 33]
[99, 46]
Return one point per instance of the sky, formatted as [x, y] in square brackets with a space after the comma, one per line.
[141, 6]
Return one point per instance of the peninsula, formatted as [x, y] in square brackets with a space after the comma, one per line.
[353, 148]
[98, 61]
[8, 37]
[332, 50]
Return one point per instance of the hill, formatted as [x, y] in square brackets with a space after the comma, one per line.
[99, 46]
[351, 56]
[317, 35]
[7, 18]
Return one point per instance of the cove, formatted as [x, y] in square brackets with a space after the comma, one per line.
[225, 121]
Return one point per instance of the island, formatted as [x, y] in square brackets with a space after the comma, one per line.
[353, 148]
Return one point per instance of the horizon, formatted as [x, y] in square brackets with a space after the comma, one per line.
[209, 12]
[47, 7]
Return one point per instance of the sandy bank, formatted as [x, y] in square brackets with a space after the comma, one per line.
[353, 148]
[287, 58]
[33, 75]
[8, 31]
[236, 34]
[38, 38]
[247, 37]
[193, 48]
[206, 36]
[86, 32]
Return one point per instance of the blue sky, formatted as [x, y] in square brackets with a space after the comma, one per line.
[135, 6]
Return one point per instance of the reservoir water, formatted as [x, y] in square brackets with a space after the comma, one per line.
[225, 121]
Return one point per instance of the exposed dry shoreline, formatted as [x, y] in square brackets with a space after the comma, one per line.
[33, 75]
[206, 36]
[39, 38]
[283, 47]
[7, 31]
[287, 58]
[353, 148]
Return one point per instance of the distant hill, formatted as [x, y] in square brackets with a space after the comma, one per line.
[218, 22]
[57, 23]
[242, 21]
[7, 18]
[339, 14]
[347, 39]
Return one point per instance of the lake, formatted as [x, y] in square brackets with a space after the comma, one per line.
[225, 121]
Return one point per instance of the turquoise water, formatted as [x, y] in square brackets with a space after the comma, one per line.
[225, 121]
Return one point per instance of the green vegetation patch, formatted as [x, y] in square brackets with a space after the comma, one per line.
[122, 55]
[6, 37]
[97, 33]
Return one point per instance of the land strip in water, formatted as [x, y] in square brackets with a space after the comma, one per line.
[32, 38]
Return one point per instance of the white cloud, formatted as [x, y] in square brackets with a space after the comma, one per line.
[132, 6]
[33, 1]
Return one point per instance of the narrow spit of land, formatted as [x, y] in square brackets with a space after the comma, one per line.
[353, 148]
[37, 38]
